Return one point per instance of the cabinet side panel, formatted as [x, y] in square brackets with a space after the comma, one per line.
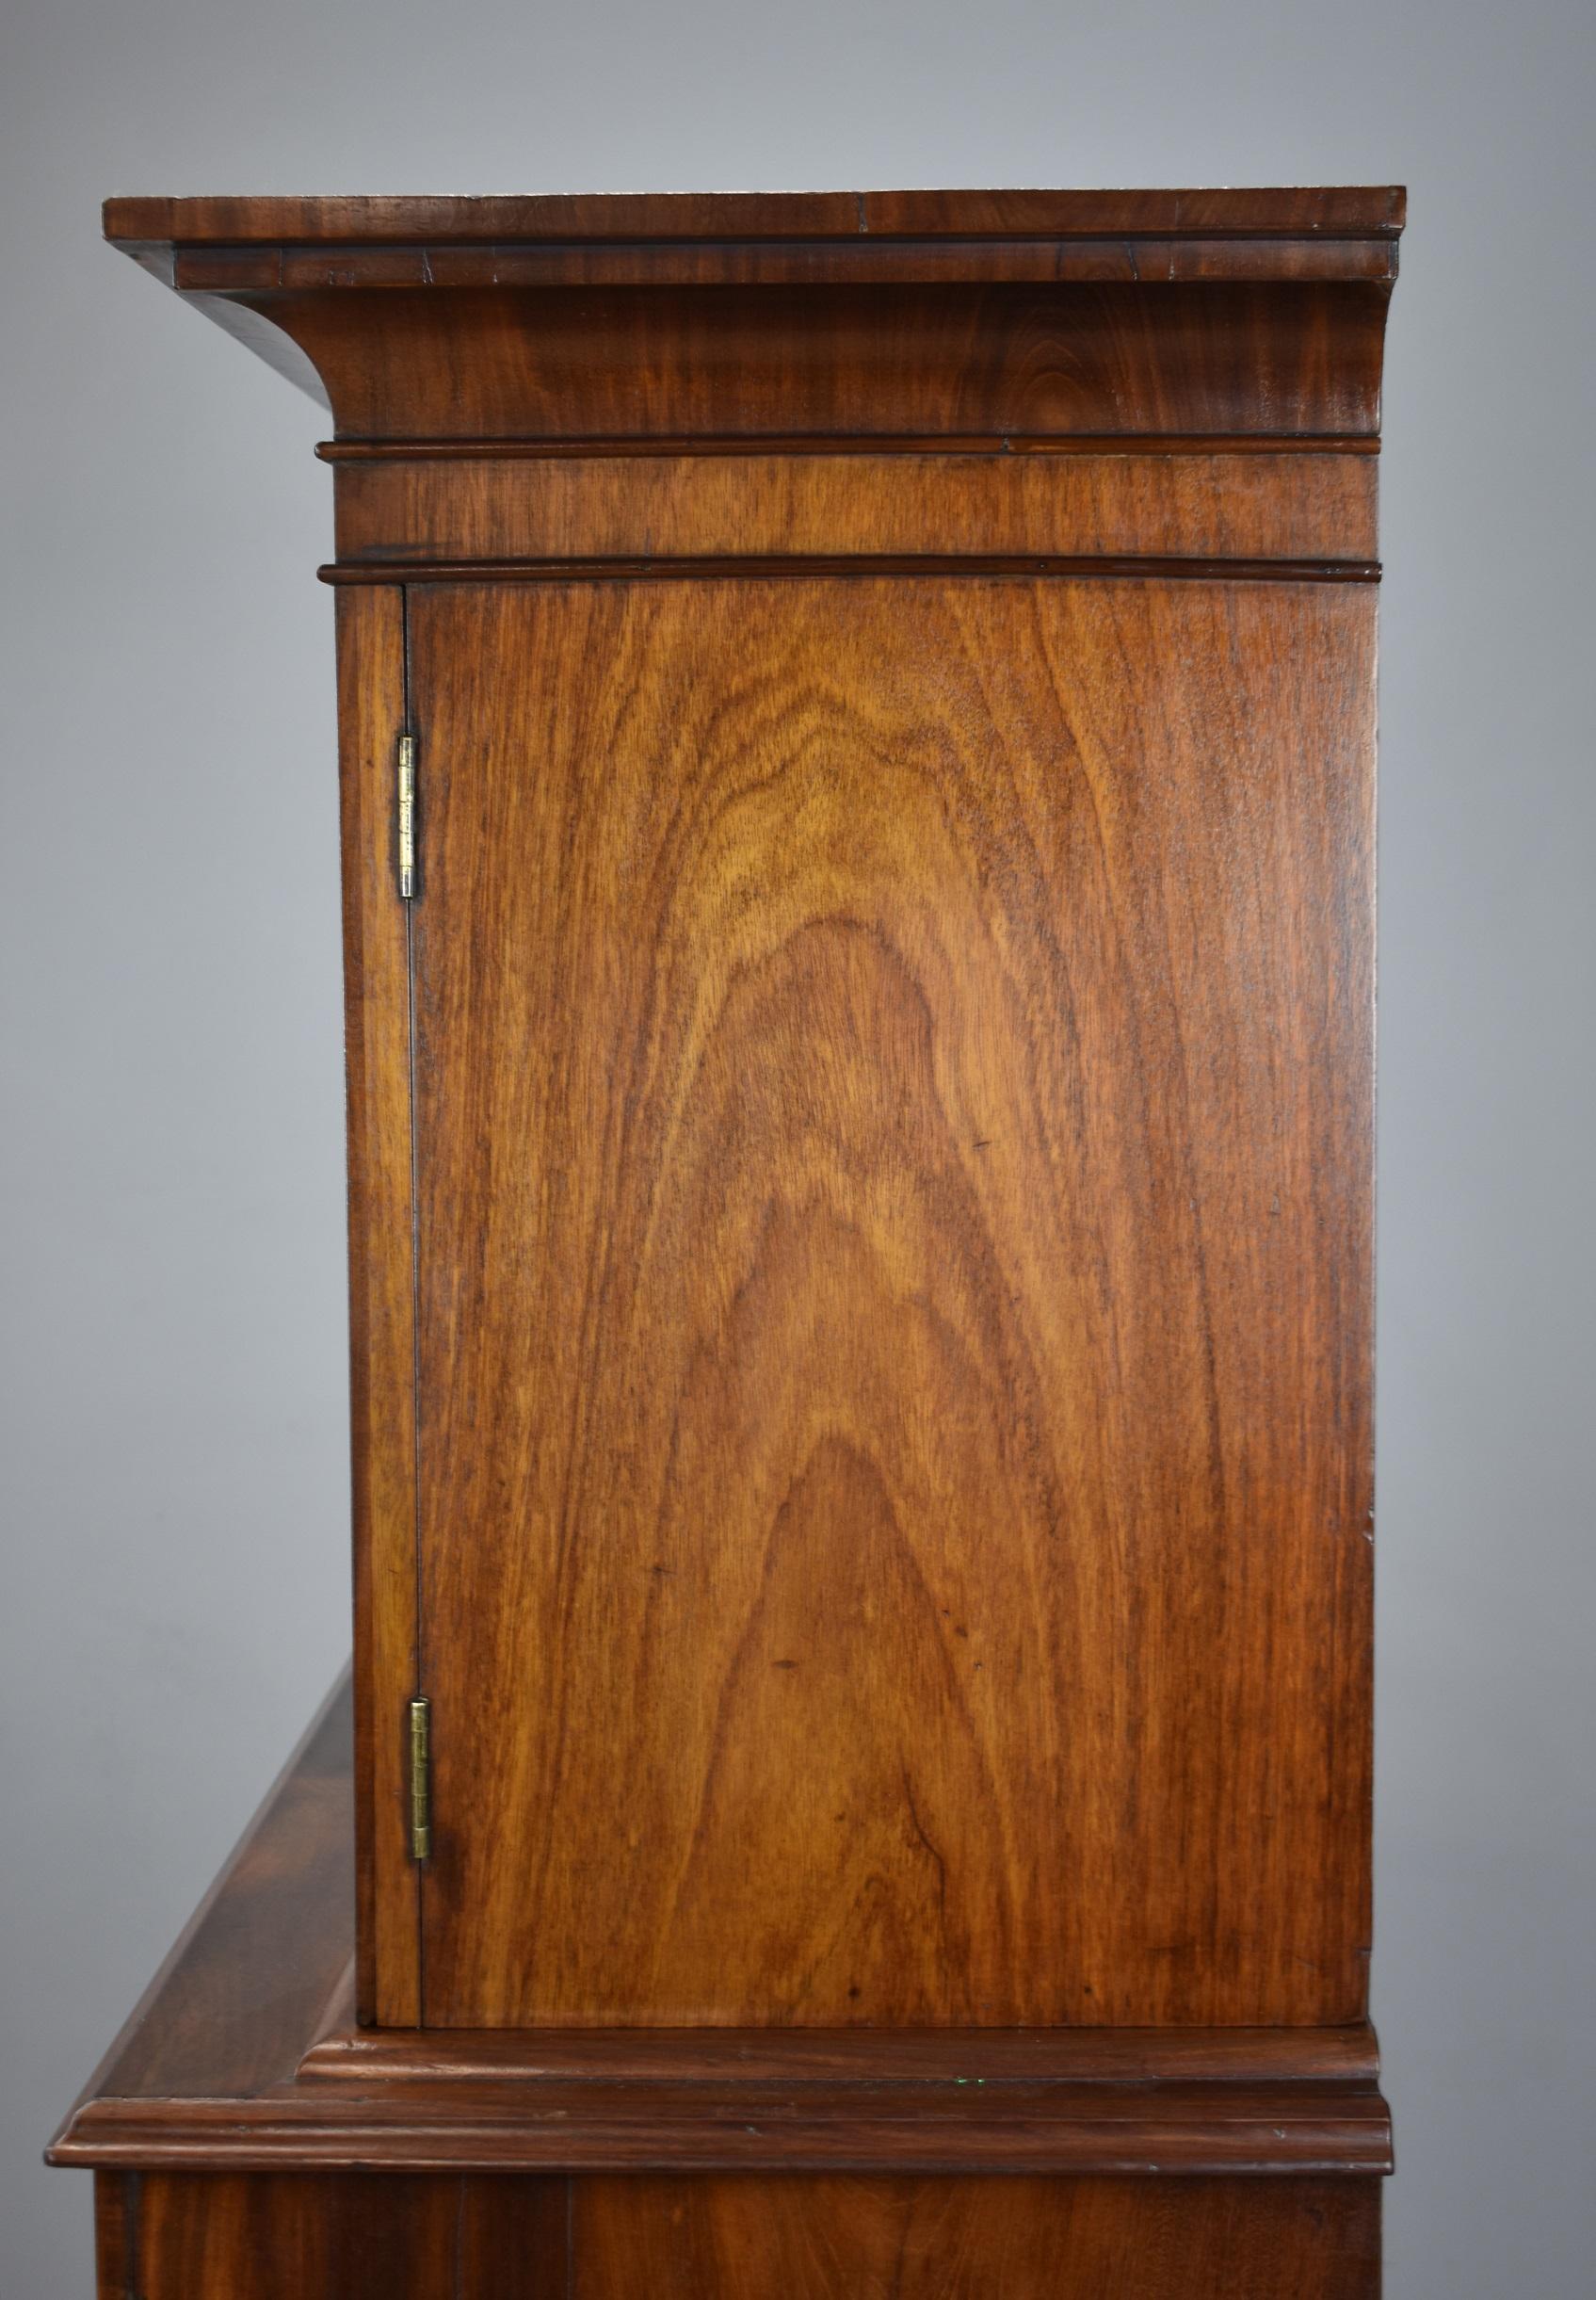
[1016, 2239]
[347, 2236]
[116, 2205]
[381, 1295]
[892, 1107]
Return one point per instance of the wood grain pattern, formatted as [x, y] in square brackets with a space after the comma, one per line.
[942, 1121]
[903, 357]
[1296, 210]
[382, 2237]
[116, 2205]
[839, 2057]
[700, 506]
[860, 1301]
[1229, 313]
[242, 2061]
[795, 263]
[975, 2240]
[1231, 209]
[691, 2126]
[371, 705]
[303, 2237]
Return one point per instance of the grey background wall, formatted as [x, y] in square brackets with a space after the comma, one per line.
[174, 1549]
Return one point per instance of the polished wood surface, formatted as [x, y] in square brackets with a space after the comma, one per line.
[244, 2058]
[908, 1167]
[1329, 2058]
[478, 362]
[975, 2239]
[1162, 980]
[1231, 313]
[1180, 506]
[250, 2144]
[804, 263]
[377, 960]
[860, 1256]
[587, 2126]
[1296, 211]
[282, 2237]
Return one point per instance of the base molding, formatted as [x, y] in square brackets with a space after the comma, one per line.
[251, 2142]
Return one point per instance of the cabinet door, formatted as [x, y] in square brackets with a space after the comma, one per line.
[891, 1154]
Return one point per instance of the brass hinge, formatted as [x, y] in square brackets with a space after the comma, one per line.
[406, 793]
[421, 1780]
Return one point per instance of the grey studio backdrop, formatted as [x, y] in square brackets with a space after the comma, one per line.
[175, 1476]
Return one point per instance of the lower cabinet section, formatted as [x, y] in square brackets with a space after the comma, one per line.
[987, 2239]
[250, 2141]
[369, 2236]
[328, 2236]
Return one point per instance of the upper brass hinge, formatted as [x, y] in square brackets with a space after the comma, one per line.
[419, 1727]
[406, 817]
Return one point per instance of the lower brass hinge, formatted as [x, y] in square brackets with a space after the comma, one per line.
[421, 1780]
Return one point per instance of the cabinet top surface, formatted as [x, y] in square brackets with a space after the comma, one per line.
[1341, 211]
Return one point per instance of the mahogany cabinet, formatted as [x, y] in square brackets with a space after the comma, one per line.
[857, 724]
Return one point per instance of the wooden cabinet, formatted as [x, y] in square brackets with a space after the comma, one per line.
[857, 744]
